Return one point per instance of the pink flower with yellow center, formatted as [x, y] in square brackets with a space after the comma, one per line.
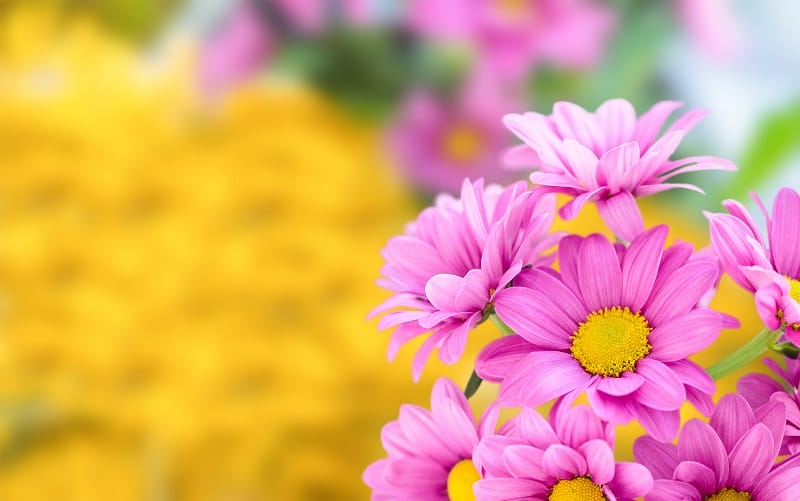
[732, 458]
[768, 268]
[617, 323]
[430, 452]
[447, 268]
[609, 157]
[569, 457]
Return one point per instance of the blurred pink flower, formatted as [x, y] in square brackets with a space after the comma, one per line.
[609, 156]
[447, 268]
[771, 272]
[236, 51]
[437, 142]
[514, 35]
[712, 26]
[311, 17]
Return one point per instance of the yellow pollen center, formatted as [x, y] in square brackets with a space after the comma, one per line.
[611, 341]
[460, 480]
[727, 494]
[794, 288]
[462, 144]
[577, 489]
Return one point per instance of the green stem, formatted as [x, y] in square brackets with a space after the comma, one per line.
[501, 326]
[750, 351]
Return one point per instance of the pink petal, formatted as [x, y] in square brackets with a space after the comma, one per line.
[600, 274]
[523, 461]
[535, 429]
[456, 428]
[700, 443]
[560, 461]
[756, 389]
[540, 377]
[651, 122]
[698, 475]
[446, 390]
[751, 458]
[583, 162]
[572, 121]
[622, 215]
[454, 343]
[681, 291]
[574, 206]
[620, 386]
[659, 457]
[661, 390]
[496, 360]
[599, 460]
[616, 167]
[473, 294]
[578, 425]
[631, 480]
[418, 423]
[783, 233]
[441, 291]
[773, 416]
[661, 425]
[640, 266]
[618, 120]
[673, 490]
[686, 335]
[502, 489]
[531, 315]
[778, 485]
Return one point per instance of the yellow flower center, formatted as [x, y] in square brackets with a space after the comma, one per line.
[794, 288]
[462, 144]
[729, 495]
[611, 341]
[577, 489]
[460, 480]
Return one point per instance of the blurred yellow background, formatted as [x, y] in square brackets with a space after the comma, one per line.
[183, 287]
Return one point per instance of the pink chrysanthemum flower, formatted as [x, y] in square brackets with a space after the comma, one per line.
[758, 389]
[609, 156]
[446, 270]
[771, 272]
[430, 452]
[730, 459]
[571, 457]
[616, 322]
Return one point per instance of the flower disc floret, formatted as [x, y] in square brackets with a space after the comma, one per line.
[727, 494]
[577, 489]
[461, 479]
[611, 341]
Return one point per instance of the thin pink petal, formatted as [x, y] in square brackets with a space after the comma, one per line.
[496, 360]
[541, 377]
[599, 272]
[621, 213]
[640, 267]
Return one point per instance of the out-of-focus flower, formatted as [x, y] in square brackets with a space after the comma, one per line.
[439, 141]
[616, 322]
[712, 26]
[236, 51]
[452, 261]
[430, 452]
[511, 36]
[609, 156]
[571, 456]
[771, 272]
[732, 458]
[759, 389]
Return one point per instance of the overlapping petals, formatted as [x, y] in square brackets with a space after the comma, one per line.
[423, 446]
[734, 453]
[663, 287]
[452, 261]
[533, 455]
[609, 156]
[769, 268]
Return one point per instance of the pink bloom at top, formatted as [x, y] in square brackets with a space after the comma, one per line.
[759, 389]
[571, 456]
[430, 452]
[437, 142]
[236, 51]
[609, 156]
[712, 26]
[511, 36]
[771, 272]
[731, 458]
[618, 323]
[447, 268]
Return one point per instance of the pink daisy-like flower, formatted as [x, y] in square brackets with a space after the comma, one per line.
[447, 268]
[430, 452]
[609, 156]
[771, 272]
[730, 459]
[759, 389]
[616, 322]
[571, 457]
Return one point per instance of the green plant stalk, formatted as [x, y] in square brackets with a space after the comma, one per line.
[760, 343]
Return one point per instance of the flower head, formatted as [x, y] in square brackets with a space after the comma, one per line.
[616, 322]
[569, 457]
[730, 459]
[609, 156]
[430, 452]
[446, 270]
[759, 389]
[771, 268]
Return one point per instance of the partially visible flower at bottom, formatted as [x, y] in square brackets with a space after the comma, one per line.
[430, 452]
[569, 457]
[759, 389]
[732, 458]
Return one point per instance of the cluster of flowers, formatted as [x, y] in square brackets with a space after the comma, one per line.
[615, 323]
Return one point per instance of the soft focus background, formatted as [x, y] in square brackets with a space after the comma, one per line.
[194, 195]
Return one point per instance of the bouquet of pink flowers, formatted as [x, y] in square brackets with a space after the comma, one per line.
[615, 323]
